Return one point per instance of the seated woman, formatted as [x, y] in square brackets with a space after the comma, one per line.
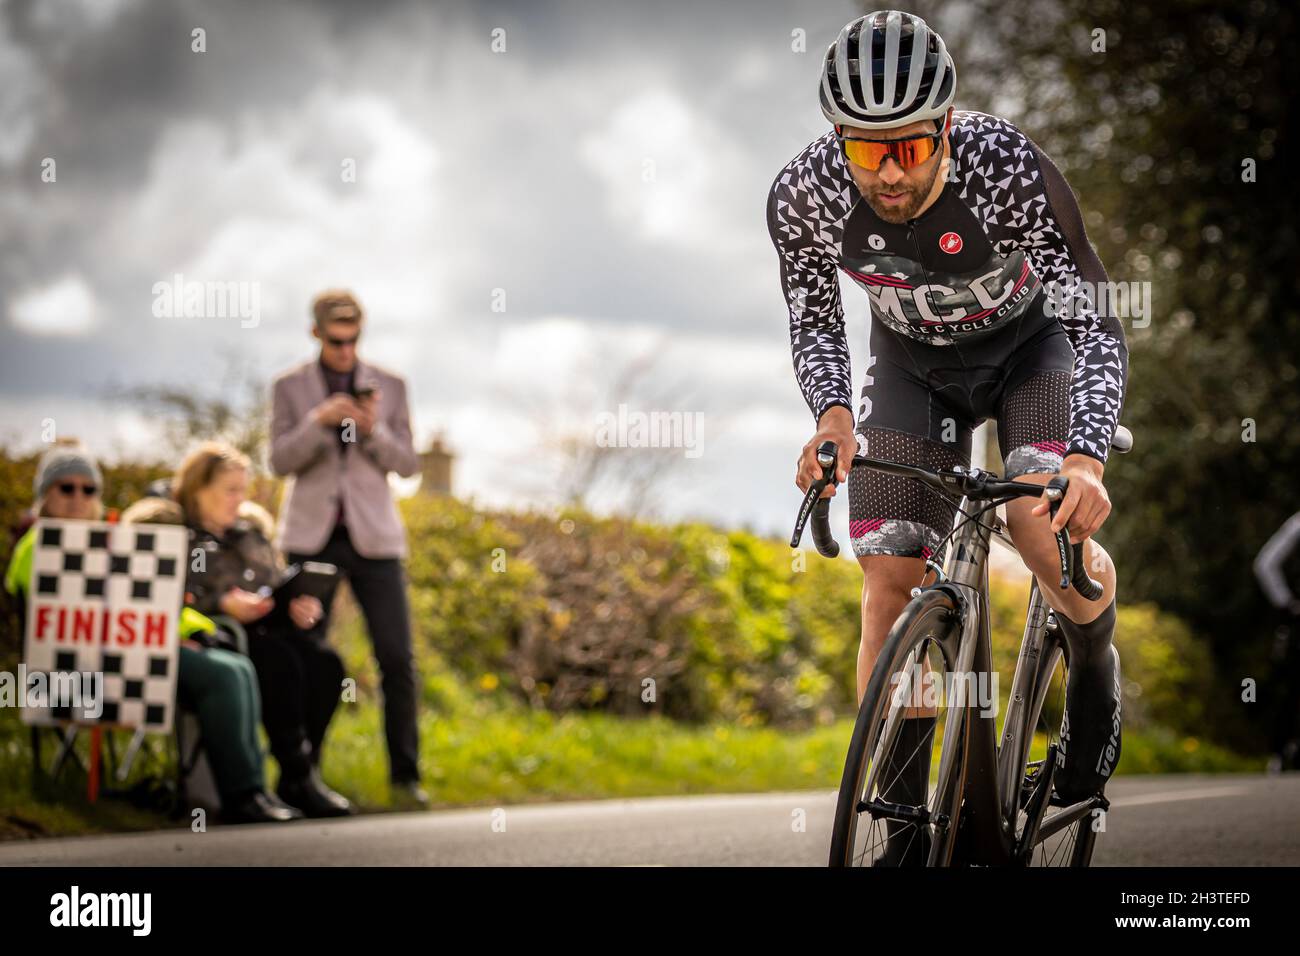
[220, 686]
[301, 677]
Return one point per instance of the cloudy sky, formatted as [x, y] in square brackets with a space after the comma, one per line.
[603, 176]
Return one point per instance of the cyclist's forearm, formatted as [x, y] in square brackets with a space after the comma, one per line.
[822, 367]
[1096, 393]
[1076, 282]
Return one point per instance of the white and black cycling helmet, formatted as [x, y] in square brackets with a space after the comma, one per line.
[909, 73]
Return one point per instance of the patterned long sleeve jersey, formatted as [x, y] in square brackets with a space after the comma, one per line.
[1004, 236]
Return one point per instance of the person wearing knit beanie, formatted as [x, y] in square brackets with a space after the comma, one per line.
[67, 459]
[68, 483]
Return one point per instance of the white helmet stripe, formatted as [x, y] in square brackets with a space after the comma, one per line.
[939, 72]
[920, 44]
[893, 32]
[842, 72]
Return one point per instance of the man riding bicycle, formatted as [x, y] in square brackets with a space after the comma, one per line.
[971, 248]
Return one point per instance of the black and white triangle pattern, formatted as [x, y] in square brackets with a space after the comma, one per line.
[998, 178]
[807, 206]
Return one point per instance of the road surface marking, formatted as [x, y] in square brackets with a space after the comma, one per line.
[1172, 796]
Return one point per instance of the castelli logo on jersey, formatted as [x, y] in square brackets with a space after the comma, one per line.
[950, 242]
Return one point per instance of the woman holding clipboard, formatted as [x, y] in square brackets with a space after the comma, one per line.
[235, 570]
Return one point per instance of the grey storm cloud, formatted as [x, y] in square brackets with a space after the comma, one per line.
[610, 167]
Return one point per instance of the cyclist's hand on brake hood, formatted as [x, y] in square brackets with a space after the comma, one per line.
[1086, 504]
[836, 425]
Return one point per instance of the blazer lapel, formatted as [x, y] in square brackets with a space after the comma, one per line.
[364, 376]
[317, 390]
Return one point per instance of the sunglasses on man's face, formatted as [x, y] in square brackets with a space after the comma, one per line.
[909, 152]
[70, 488]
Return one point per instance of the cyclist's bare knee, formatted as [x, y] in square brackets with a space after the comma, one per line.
[1033, 538]
[887, 582]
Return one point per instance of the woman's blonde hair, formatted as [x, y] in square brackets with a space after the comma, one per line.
[200, 468]
[152, 511]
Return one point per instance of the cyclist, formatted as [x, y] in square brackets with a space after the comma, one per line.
[1276, 566]
[972, 251]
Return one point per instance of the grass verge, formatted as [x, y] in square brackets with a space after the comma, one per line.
[499, 757]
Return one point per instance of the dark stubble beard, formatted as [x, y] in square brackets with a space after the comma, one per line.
[900, 214]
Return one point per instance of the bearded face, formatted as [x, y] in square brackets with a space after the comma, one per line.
[893, 193]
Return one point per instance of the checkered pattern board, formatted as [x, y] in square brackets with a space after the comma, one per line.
[106, 599]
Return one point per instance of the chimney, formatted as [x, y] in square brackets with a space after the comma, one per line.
[435, 467]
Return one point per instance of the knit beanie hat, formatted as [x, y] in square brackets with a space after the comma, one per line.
[64, 461]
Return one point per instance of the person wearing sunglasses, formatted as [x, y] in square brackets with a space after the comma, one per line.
[338, 427]
[67, 485]
[971, 249]
[219, 686]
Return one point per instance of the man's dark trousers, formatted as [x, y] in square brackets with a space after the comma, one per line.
[380, 588]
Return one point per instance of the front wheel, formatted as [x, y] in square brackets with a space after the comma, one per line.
[900, 795]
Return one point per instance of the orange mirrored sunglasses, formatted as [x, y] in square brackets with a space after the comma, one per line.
[909, 152]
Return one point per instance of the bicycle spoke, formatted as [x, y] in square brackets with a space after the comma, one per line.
[885, 765]
[1061, 848]
[888, 764]
[875, 843]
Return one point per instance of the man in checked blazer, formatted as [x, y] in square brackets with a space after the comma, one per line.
[338, 427]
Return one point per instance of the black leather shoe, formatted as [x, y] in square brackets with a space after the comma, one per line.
[277, 802]
[258, 807]
[310, 795]
[409, 795]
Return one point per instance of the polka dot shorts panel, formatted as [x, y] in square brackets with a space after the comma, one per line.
[1034, 425]
[893, 515]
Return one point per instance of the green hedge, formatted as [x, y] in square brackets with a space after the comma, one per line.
[574, 612]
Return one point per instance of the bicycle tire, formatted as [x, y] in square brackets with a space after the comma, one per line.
[1084, 837]
[929, 616]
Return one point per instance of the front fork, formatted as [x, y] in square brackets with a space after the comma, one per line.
[1034, 669]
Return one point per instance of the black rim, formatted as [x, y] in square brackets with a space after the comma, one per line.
[1072, 846]
[864, 821]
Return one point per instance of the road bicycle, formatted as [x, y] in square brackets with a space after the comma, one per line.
[991, 802]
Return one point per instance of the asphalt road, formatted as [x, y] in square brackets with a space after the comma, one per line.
[1157, 820]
